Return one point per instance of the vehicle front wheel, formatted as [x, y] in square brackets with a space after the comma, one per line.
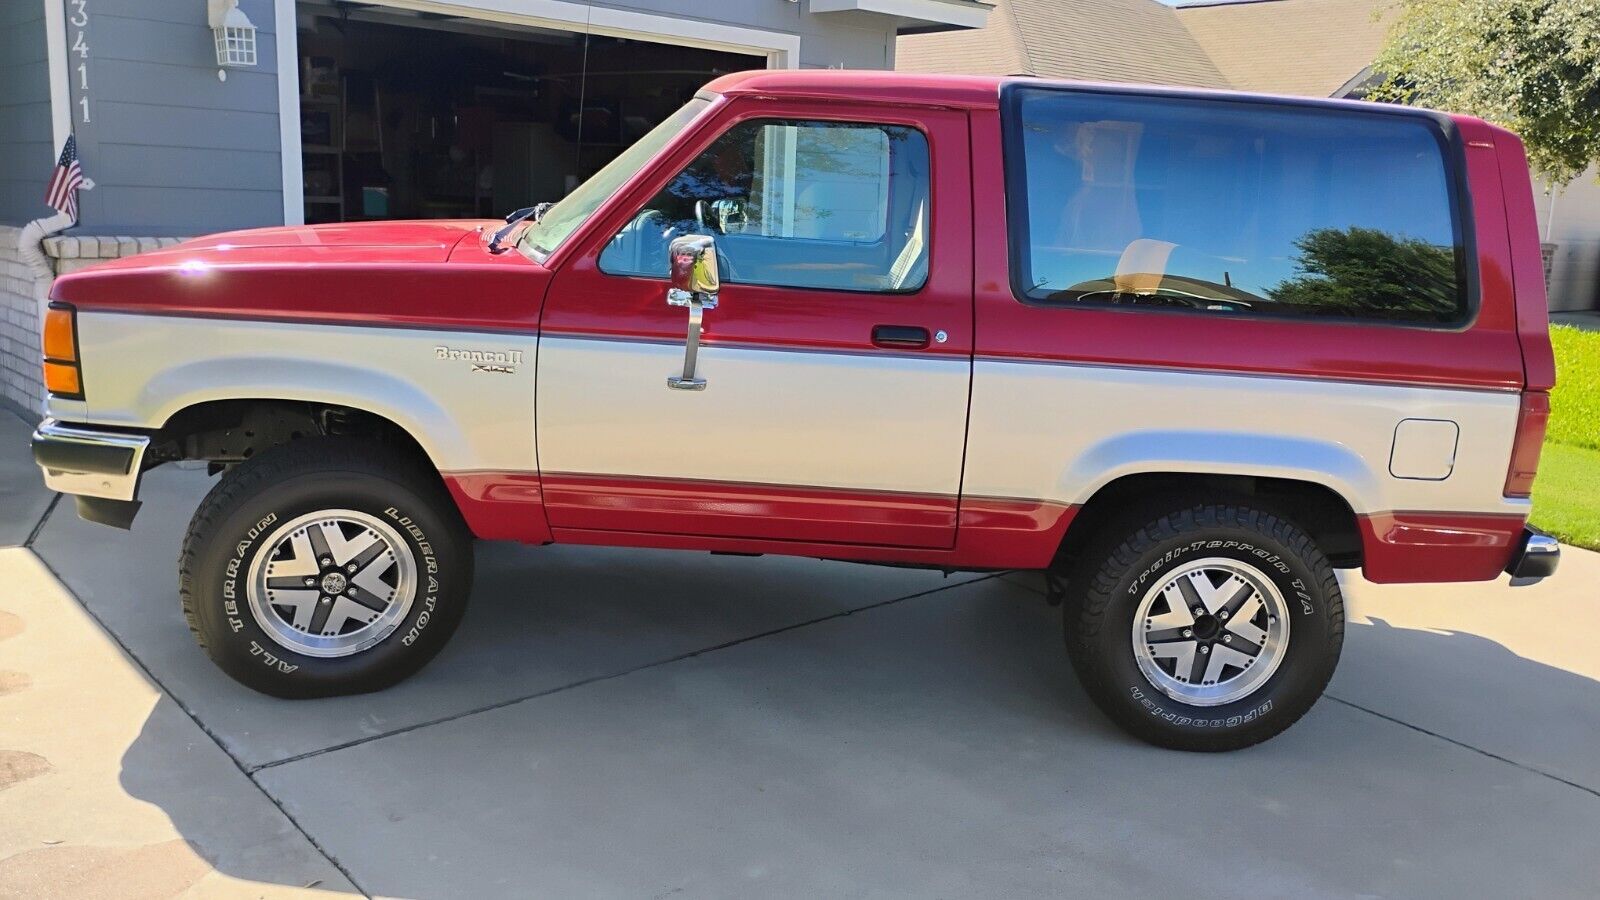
[1208, 628]
[326, 566]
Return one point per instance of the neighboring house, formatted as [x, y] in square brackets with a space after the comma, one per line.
[1315, 48]
[360, 110]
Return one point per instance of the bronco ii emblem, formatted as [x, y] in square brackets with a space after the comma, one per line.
[501, 362]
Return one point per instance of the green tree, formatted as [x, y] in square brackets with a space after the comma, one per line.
[1368, 273]
[1530, 65]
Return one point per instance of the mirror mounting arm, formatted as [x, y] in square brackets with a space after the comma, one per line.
[697, 304]
[693, 264]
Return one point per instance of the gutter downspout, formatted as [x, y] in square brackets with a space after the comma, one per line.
[30, 242]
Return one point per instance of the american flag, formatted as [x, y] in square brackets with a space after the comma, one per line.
[64, 181]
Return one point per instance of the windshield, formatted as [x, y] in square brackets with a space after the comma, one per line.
[561, 220]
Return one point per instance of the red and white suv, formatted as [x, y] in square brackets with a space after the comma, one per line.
[1188, 353]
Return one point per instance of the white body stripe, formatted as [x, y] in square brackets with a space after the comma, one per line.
[858, 421]
[139, 370]
[883, 423]
[1060, 432]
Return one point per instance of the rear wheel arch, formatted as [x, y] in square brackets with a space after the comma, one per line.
[1326, 516]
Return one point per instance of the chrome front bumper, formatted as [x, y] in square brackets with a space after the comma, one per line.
[89, 463]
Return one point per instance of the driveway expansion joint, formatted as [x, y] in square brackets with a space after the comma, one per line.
[1465, 746]
[582, 682]
[193, 717]
[38, 527]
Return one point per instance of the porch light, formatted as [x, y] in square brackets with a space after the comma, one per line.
[235, 34]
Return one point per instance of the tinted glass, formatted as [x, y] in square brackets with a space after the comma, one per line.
[1232, 208]
[561, 220]
[795, 204]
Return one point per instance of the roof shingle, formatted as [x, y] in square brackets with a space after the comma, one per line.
[1091, 40]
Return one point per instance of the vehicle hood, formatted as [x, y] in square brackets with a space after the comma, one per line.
[360, 242]
[393, 273]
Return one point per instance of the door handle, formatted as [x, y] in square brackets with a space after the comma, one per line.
[902, 336]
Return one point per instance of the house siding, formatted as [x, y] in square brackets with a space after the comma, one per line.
[832, 40]
[1574, 227]
[25, 137]
[172, 149]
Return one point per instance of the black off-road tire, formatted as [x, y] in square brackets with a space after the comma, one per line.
[235, 524]
[1109, 580]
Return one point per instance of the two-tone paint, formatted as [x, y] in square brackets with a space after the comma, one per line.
[810, 439]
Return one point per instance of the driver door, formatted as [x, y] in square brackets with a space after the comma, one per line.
[836, 361]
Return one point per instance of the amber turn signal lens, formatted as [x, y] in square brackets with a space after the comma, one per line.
[62, 379]
[60, 338]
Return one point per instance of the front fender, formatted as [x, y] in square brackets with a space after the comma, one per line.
[277, 378]
[467, 415]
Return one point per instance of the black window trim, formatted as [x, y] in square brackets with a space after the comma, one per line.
[1440, 125]
[927, 142]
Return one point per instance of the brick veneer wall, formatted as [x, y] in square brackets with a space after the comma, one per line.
[24, 293]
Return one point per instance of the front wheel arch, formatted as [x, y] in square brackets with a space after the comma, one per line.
[231, 431]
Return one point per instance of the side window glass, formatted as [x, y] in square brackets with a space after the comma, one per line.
[823, 205]
[1232, 208]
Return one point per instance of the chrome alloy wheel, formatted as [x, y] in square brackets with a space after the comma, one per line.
[1212, 633]
[332, 583]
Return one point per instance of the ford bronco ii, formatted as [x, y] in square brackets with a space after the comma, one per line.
[1186, 353]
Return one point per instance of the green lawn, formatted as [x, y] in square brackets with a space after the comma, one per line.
[1575, 404]
[1566, 496]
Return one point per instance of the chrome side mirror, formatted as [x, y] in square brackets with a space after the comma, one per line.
[692, 260]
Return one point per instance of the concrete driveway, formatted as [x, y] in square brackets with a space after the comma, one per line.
[649, 724]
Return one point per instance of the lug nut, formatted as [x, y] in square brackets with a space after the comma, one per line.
[1227, 639]
[326, 600]
[326, 561]
[310, 582]
[1188, 633]
[350, 568]
[1198, 611]
[351, 591]
[1223, 615]
[1204, 649]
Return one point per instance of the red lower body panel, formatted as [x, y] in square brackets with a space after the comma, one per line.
[759, 511]
[927, 529]
[935, 530]
[1412, 547]
[501, 506]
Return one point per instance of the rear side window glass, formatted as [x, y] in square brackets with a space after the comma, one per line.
[800, 204]
[1232, 208]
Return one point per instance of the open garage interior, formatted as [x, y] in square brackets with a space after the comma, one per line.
[413, 115]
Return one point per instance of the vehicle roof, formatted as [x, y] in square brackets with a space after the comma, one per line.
[870, 84]
[982, 91]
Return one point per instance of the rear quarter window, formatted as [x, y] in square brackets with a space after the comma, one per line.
[1233, 207]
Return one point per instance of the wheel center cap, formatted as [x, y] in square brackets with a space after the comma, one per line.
[1206, 627]
[334, 583]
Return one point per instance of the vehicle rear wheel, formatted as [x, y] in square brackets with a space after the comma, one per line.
[1210, 628]
[324, 567]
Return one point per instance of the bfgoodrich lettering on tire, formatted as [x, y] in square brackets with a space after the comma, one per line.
[1209, 628]
[326, 566]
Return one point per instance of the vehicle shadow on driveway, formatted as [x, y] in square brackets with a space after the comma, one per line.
[937, 744]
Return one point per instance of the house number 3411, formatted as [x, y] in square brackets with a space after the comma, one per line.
[78, 20]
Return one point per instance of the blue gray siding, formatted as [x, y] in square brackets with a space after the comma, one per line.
[25, 139]
[836, 40]
[172, 149]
